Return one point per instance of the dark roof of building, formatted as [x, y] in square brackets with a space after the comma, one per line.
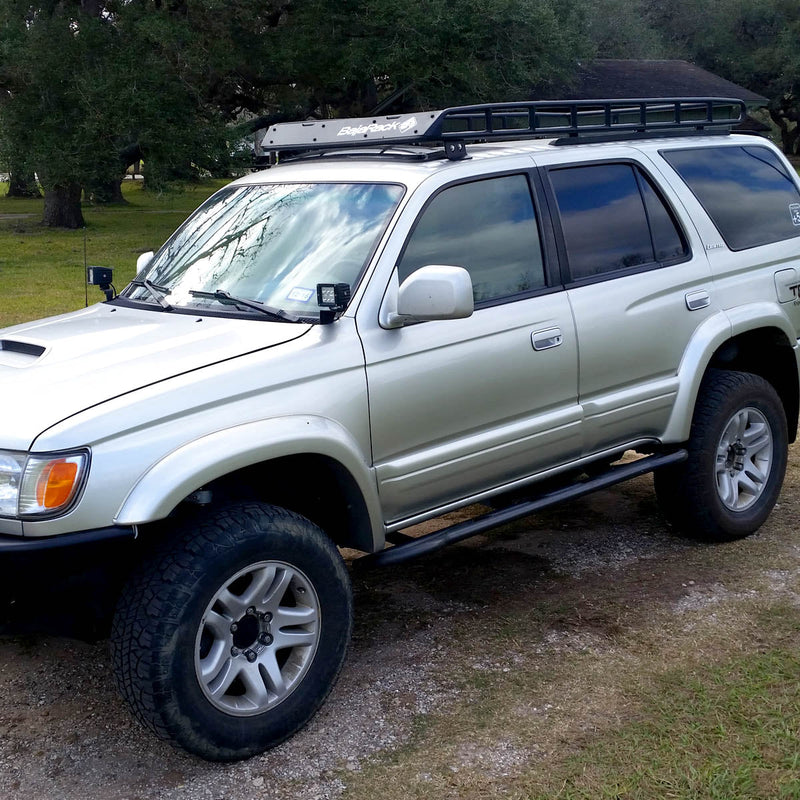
[608, 78]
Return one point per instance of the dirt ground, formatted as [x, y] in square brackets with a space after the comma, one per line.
[566, 594]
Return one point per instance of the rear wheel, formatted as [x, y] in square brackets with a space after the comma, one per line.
[737, 459]
[228, 640]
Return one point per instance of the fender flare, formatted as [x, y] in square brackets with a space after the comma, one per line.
[707, 339]
[189, 467]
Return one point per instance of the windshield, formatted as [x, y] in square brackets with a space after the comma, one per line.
[269, 244]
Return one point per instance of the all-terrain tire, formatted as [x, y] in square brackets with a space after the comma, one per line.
[738, 448]
[230, 636]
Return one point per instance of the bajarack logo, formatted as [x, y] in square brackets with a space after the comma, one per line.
[379, 127]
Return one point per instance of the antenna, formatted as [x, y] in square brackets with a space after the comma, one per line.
[85, 268]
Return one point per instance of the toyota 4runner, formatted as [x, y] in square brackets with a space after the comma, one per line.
[400, 317]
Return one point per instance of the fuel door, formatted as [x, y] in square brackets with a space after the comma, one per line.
[787, 285]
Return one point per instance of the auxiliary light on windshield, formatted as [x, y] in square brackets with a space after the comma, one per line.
[332, 298]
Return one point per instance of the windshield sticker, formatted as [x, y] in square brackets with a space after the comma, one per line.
[300, 295]
[794, 210]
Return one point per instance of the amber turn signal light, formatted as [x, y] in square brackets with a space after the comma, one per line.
[55, 484]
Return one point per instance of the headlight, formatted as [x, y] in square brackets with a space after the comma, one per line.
[39, 485]
[11, 466]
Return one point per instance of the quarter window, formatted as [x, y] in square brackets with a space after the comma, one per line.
[613, 219]
[747, 192]
[489, 228]
[668, 244]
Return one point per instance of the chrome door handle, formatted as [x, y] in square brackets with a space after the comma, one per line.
[544, 340]
[697, 300]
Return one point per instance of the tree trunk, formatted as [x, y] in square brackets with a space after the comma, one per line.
[62, 207]
[789, 140]
[107, 192]
[22, 185]
[790, 137]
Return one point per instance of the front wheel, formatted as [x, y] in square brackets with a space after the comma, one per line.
[229, 638]
[738, 448]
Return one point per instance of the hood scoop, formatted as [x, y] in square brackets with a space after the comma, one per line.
[14, 353]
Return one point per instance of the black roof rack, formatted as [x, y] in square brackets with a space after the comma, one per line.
[576, 120]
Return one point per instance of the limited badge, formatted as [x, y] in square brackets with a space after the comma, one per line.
[794, 210]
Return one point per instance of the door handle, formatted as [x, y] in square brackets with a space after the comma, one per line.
[544, 340]
[697, 300]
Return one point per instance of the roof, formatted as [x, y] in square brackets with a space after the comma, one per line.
[371, 170]
[501, 155]
[613, 78]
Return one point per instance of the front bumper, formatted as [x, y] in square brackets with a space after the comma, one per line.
[22, 544]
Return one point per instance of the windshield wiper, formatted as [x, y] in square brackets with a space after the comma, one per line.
[156, 291]
[228, 299]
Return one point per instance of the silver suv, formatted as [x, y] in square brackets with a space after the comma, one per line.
[401, 317]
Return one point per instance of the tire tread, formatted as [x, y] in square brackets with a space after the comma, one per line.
[154, 600]
[685, 491]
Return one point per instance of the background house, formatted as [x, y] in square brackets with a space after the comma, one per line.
[610, 78]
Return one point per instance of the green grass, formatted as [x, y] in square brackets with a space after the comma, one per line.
[720, 723]
[725, 732]
[42, 269]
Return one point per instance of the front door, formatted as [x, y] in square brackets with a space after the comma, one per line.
[459, 407]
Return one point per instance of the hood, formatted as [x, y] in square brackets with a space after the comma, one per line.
[57, 367]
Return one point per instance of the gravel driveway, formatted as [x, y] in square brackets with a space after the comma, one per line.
[65, 733]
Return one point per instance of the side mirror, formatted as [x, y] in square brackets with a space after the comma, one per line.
[436, 292]
[143, 260]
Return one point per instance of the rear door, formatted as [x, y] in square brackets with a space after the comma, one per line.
[639, 285]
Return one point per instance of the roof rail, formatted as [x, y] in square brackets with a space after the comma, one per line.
[454, 127]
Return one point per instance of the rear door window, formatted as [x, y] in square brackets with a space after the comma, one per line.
[747, 191]
[613, 220]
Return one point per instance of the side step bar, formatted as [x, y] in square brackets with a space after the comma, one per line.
[412, 547]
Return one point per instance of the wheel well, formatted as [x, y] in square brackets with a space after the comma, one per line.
[316, 486]
[768, 353]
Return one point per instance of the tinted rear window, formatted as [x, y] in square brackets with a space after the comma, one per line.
[747, 192]
[613, 220]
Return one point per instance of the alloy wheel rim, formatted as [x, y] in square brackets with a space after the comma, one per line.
[257, 638]
[744, 459]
